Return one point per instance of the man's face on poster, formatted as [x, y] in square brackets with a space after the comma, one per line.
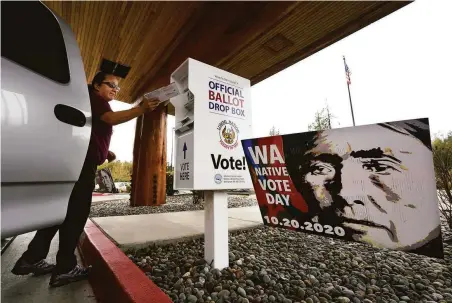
[378, 182]
[106, 181]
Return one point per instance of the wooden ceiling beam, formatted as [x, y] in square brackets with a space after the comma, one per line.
[182, 34]
[367, 18]
[219, 35]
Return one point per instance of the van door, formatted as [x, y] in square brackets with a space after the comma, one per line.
[45, 116]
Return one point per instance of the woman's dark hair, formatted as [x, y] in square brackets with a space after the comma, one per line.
[98, 79]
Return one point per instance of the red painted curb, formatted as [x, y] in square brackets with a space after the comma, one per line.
[114, 277]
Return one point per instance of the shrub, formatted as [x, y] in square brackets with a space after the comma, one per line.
[169, 183]
[442, 158]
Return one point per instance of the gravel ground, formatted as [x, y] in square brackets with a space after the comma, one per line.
[173, 204]
[276, 265]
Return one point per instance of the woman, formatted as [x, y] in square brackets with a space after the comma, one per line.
[102, 90]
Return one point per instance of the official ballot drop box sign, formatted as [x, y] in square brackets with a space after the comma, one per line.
[212, 115]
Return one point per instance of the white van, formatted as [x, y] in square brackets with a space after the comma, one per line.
[46, 117]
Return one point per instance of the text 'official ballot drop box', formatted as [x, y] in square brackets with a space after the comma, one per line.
[212, 115]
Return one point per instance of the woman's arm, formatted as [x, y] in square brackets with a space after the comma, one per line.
[114, 118]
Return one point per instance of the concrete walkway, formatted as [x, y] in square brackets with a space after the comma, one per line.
[162, 228]
[169, 227]
[29, 289]
[109, 197]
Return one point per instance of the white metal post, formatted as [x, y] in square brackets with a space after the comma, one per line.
[216, 246]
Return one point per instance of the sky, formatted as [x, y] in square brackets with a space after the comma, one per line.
[400, 69]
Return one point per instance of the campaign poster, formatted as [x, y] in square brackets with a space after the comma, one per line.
[105, 181]
[373, 184]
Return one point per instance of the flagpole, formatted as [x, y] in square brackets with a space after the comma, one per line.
[349, 95]
[351, 105]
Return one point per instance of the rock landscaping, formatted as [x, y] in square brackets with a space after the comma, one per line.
[276, 265]
[173, 204]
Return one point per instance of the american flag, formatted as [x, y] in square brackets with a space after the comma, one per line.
[347, 72]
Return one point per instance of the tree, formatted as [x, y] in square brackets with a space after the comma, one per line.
[274, 131]
[120, 171]
[322, 120]
[442, 160]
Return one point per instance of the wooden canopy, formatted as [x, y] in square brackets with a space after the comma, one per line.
[252, 39]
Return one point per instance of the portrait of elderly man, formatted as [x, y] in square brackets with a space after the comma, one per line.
[105, 181]
[376, 181]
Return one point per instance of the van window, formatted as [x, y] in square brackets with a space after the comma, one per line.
[31, 36]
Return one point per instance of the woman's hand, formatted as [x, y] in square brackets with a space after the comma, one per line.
[111, 156]
[149, 105]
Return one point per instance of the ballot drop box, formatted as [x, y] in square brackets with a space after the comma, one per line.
[212, 115]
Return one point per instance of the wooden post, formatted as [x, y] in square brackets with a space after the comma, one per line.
[149, 159]
[136, 152]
